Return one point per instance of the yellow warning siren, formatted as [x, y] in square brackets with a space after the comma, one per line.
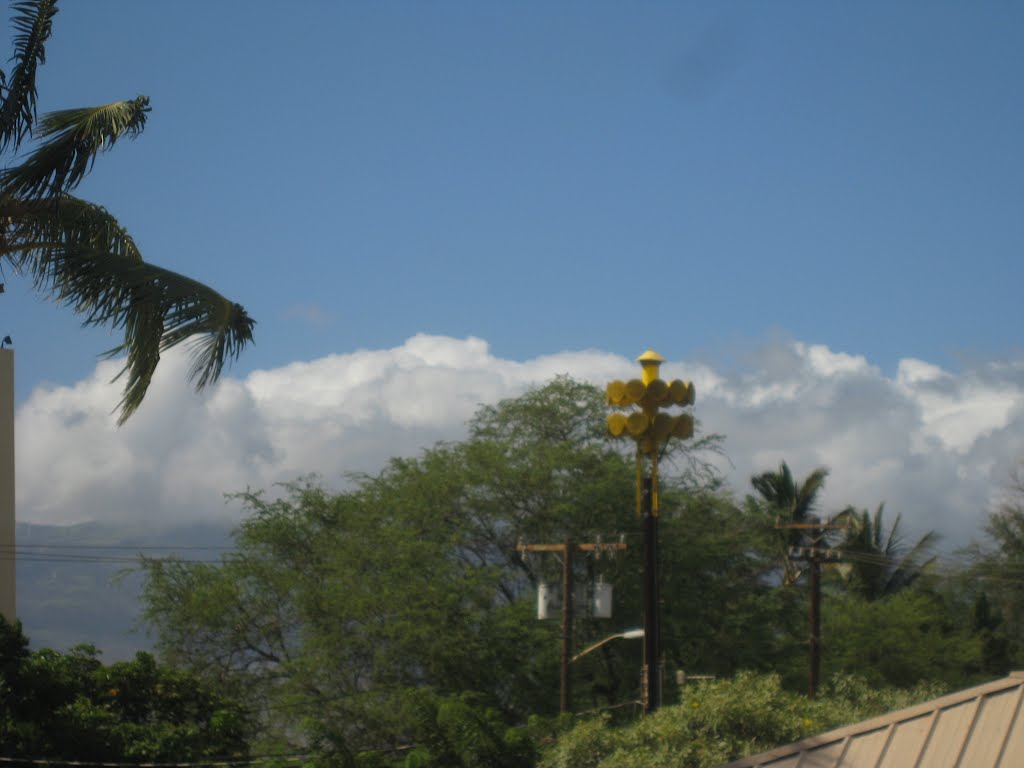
[648, 426]
[644, 422]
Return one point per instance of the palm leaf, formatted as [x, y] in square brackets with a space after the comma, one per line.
[881, 564]
[74, 137]
[33, 23]
[31, 225]
[790, 502]
[79, 254]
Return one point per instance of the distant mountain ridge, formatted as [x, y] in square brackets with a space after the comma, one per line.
[75, 583]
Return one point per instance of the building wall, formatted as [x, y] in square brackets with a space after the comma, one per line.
[8, 604]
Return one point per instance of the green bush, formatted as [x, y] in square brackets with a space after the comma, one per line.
[722, 720]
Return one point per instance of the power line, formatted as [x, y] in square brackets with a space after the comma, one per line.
[287, 759]
[131, 547]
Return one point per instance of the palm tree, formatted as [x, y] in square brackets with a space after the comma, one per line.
[75, 251]
[878, 564]
[790, 503]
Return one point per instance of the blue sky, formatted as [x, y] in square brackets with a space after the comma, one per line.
[686, 176]
[808, 206]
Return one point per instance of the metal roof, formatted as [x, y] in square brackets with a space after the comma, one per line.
[980, 727]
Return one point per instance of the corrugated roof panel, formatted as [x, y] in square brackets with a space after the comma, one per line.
[950, 735]
[907, 742]
[1013, 745]
[991, 728]
[866, 748]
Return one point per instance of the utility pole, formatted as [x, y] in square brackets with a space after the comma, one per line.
[814, 627]
[565, 682]
[651, 428]
[567, 549]
[651, 692]
[815, 555]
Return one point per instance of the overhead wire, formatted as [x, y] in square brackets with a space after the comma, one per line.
[291, 759]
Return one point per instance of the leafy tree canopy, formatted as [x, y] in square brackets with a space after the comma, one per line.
[997, 580]
[71, 706]
[902, 640]
[337, 606]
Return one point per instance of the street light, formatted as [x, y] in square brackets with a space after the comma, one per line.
[632, 634]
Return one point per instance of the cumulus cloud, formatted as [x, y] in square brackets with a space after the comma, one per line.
[935, 445]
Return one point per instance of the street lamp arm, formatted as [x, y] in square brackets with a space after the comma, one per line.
[630, 635]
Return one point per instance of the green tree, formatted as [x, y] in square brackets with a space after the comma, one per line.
[996, 575]
[786, 501]
[71, 706]
[878, 563]
[338, 609]
[900, 640]
[996, 645]
[722, 609]
[456, 732]
[337, 606]
[75, 251]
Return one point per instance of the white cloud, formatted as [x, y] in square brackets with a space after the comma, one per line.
[935, 445]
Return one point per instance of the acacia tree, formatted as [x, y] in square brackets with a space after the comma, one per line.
[337, 606]
[78, 253]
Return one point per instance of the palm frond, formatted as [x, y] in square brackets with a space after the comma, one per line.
[791, 502]
[79, 254]
[26, 226]
[777, 488]
[74, 137]
[881, 564]
[33, 24]
[807, 493]
[164, 310]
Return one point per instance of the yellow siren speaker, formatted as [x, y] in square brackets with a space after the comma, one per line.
[624, 393]
[635, 391]
[681, 392]
[615, 392]
[657, 391]
[682, 426]
[662, 426]
[637, 423]
[617, 424]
